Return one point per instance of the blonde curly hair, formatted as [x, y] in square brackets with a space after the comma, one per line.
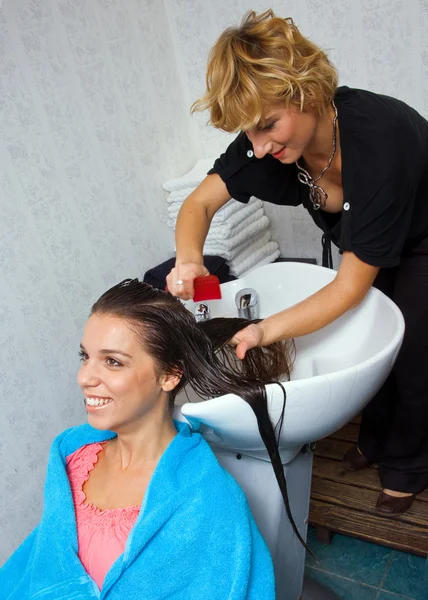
[264, 61]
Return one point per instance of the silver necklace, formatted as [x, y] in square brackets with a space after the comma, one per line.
[317, 195]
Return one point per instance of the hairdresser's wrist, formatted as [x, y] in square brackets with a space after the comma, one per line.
[270, 332]
[264, 337]
[195, 258]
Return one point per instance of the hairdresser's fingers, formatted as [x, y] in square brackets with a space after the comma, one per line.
[247, 338]
[241, 350]
[181, 278]
[187, 273]
[171, 279]
[175, 285]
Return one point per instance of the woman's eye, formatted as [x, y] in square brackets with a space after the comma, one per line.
[112, 362]
[269, 126]
[83, 356]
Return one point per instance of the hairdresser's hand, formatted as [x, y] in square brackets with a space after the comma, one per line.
[185, 273]
[247, 338]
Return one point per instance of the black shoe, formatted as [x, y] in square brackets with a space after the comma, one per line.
[391, 505]
[355, 461]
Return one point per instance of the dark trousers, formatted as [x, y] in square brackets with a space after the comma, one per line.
[394, 427]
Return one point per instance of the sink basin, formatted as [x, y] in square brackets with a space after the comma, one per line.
[336, 372]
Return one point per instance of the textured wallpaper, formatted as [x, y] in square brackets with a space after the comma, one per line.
[92, 121]
[94, 100]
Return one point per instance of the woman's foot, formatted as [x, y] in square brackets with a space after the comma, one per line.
[397, 494]
[354, 459]
[391, 502]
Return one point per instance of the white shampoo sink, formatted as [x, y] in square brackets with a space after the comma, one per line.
[337, 371]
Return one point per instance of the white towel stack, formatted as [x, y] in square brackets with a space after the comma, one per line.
[239, 232]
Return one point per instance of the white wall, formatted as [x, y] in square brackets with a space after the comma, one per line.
[94, 100]
[92, 120]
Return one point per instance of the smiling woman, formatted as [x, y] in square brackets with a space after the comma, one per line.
[151, 513]
[119, 375]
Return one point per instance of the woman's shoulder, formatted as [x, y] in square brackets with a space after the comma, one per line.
[364, 99]
[363, 110]
[84, 456]
[74, 438]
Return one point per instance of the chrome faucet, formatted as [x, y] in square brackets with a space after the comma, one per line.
[247, 303]
[202, 311]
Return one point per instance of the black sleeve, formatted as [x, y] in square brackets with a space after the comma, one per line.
[266, 178]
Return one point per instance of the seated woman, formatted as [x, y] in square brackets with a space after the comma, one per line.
[136, 505]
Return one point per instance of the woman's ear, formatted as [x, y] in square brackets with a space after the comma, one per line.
[170, 382]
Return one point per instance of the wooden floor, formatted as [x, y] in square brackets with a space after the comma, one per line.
[343, 501]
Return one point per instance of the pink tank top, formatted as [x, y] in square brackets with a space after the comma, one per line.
[102, 534]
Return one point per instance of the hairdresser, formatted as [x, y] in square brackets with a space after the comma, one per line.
[358, 163]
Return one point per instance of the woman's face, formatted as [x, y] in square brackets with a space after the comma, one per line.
[118, 378]
[284, 133]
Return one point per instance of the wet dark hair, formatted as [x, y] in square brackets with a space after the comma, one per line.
[199, 353]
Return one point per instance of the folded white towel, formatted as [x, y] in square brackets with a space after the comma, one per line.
[233, 211]
[264, 261]
[174, 209]
[267, 251]
[230, 254]
[233, 207]
[229, 214]
[180, 195]
[191, 179]
[254, 244]
[236, 240]
[221, 231]
[220, 251]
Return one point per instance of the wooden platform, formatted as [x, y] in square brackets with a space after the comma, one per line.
[343, 501]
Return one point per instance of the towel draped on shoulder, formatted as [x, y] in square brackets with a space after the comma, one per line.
[194, 538]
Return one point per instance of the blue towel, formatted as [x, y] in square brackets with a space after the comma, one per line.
[195, 538]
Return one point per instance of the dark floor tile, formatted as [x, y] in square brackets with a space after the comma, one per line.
[407, 575]
[344, 588]
[313, 590]
[349, 557]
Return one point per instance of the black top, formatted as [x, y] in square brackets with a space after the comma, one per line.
[384, 147]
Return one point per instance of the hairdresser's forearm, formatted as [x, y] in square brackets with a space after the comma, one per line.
[348, 289]
[195, 216]
[190, 232]
[307, 316]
